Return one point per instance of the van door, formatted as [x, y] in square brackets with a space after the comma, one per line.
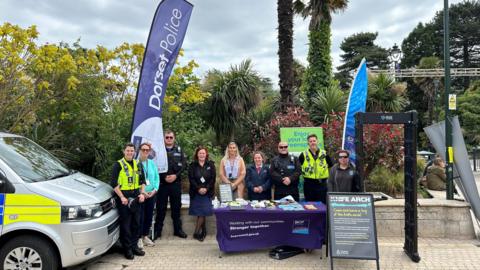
[5, 187]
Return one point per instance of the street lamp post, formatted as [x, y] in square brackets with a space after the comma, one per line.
[436, 83]
[395, 56]
[448, 123]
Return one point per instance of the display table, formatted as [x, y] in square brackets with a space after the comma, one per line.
[248, 229]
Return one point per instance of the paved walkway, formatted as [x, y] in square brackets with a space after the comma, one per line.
[175, 253]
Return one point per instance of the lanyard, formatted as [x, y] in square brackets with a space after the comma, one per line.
[202, 170]
[145, 168]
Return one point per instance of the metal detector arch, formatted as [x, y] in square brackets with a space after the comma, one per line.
[409, 121]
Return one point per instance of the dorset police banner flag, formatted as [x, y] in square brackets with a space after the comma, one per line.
[356, 103]
[164, 42]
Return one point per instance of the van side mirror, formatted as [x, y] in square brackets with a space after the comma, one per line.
[5, 185]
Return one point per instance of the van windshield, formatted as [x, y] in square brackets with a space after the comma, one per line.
[30, 161]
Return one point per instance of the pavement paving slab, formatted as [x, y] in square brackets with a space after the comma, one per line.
[175, 253]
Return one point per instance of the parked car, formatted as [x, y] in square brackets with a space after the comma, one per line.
[50, 216]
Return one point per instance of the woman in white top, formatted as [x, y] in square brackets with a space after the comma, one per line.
[232, 170]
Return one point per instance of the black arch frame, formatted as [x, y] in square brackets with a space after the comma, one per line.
[409, 121]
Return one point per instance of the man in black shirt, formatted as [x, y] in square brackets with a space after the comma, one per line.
[128, 182]
[285, 172]
[171, 187]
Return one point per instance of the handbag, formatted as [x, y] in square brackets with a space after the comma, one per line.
[284, 252]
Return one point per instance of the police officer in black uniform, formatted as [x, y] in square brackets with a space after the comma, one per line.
[128, 182]
[171, 187]
[285, 172]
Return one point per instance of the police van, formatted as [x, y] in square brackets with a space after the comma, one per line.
[50, 216]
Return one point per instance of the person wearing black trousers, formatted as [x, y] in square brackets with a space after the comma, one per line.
[128, 182]
[315, 164]
[171, 188]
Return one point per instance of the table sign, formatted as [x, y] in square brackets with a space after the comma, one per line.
[226, 194]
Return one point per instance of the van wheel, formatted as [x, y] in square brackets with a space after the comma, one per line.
[28, 252]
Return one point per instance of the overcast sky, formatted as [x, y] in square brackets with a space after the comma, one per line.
[221, 32]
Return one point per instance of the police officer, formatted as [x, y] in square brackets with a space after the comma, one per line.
[171, 188]
[285, 172]
[315, 170]
[128, 182]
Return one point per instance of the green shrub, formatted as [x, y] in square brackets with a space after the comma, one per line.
[421, 164]
[384, 180]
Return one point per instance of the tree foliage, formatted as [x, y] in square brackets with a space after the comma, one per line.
[355, 48]
[319, 71]
[382, 143]
[430, 86]
[233, 94]
[422, 41]
[267, 137]
[469, 112]
[427, 40]
[385, 95]
[78, 102]
[331, 100]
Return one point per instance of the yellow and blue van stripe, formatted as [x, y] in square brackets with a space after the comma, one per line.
[2, 201]
[30, 208]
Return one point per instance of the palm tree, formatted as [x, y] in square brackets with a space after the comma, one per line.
[285, 53]
[233, 94]
[385, 95]
[429, 86]
[319, 71]
[332, 100]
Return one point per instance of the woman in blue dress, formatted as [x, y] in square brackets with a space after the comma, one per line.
[201, 174]
[258, 179]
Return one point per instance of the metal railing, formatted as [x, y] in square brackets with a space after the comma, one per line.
[436, 72]
[475, 159]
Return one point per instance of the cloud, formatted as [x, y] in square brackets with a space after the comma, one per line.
[220, 33]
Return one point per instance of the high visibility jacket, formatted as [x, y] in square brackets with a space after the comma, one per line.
[315, 168]
[128, 178]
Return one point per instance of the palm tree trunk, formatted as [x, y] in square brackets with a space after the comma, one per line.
[285, 51]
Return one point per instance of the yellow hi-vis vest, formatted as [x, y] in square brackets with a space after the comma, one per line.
[128, 178]
[315, 168]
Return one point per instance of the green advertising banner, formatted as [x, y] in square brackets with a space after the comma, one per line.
[296, 137]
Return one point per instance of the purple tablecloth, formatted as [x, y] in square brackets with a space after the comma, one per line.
[240, 230]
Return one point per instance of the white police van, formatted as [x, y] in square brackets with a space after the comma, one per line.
[50, 216]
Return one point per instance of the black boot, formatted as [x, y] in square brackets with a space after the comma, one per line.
[157, 234]
[138, 251]
[180, 233]
[177, 229]
[129, 254]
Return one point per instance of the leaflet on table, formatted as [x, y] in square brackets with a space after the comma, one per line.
[310, 207]
[285, 200]
[262, 204]
[238, 204]
[291, 207]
